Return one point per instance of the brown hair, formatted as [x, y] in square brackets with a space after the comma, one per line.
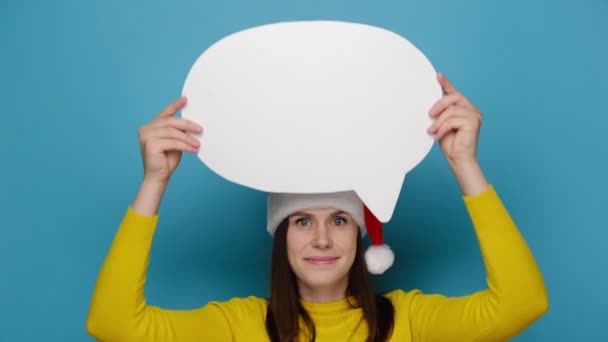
[285, 309]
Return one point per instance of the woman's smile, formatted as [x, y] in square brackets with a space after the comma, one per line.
[321, 260]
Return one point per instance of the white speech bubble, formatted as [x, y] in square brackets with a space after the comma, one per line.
[314, 106]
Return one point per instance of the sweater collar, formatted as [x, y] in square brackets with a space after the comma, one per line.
[334, 306]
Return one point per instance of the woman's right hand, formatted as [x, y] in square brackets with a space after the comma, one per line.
[164, 139]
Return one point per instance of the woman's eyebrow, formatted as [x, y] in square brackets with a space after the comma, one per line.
[301, 213]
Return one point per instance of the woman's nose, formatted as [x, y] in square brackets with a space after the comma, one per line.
[322, 238]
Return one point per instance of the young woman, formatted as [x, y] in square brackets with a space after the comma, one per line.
[320, 289]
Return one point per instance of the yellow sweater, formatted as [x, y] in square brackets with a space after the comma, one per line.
[515, 297]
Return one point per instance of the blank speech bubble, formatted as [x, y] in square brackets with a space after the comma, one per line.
[314, 106]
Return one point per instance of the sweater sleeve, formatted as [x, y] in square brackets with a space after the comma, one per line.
[515, 296]
[118, 310]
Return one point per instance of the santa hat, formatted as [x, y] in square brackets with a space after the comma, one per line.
[378, 257]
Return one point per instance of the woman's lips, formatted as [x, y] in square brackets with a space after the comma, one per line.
[321, 260]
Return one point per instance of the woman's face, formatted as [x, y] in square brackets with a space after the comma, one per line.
[321, 247]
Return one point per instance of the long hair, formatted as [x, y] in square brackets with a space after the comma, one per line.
[285, 309]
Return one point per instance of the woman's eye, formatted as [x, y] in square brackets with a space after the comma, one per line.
[303, 222]
[338, 221]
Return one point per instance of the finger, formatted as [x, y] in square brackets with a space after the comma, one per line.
[446, 114]
[171, 109]
[164, 145]
[446, 85]
[452, 123]
[445, 102]
[179, 123]
[172, 133]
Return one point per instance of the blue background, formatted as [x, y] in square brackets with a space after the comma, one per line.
[79, 77]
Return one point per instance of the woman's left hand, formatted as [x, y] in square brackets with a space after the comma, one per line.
[456, 125]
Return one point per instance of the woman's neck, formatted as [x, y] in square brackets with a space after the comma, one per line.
[322, 294]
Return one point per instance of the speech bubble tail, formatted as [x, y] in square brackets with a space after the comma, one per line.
[382, 198]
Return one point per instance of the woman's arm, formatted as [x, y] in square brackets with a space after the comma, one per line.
[516, 295]
[118, 309]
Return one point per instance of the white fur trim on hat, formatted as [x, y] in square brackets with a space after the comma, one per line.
[281, 205]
